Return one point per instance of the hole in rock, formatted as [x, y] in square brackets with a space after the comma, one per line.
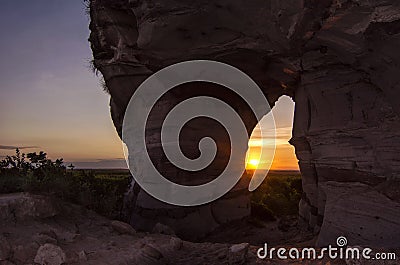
[285, 158]
[274, 205]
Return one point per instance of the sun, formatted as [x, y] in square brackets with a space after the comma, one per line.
[254, 163]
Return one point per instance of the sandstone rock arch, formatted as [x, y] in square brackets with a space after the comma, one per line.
[338, 60]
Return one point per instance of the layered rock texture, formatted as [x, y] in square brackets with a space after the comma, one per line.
[337, 59]
[51, 232]
[47, 231]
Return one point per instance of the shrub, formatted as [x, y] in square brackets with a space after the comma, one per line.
[35, 173]
[104, 195]
[278, 195]
[13, 170]
[11, 181]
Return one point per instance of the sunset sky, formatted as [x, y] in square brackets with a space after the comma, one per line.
[284, 154]
[51, 101]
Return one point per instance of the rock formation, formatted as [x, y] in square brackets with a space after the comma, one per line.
[63, 233]
[48, 231]
[337, 59]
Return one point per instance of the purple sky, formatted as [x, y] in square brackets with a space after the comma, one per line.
[49, 97]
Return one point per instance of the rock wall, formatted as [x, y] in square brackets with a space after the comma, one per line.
[346, 127]
[338, 60]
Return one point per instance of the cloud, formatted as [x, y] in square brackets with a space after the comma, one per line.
[277, 137]
[11, 147]
[100, 164]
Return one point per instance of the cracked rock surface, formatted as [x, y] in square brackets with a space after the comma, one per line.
[75, 235]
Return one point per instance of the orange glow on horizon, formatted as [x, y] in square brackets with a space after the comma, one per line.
[285, 158]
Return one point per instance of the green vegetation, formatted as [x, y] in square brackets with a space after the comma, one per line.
[103, 190]
[278, 196]
[100, 191]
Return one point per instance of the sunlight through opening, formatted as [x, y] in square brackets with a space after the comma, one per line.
[285, 158]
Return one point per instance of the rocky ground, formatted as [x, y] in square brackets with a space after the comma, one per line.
[41, 230]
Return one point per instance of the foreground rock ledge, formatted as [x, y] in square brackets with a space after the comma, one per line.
[338, 60]
[75, 235]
